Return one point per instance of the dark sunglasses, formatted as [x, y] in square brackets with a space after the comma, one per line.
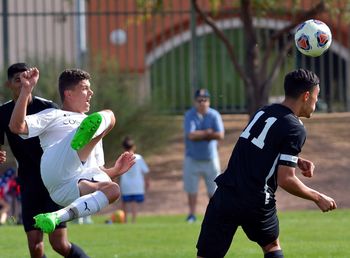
[201, 100]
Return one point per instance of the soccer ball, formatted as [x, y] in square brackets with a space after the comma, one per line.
[313, 38]
[118, 216]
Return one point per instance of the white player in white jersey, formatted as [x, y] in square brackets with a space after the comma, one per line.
[72, 164]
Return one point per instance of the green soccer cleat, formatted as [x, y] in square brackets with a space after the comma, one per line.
[86, 131]
[47, 222]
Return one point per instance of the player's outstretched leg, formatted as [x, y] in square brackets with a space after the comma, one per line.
[92, 126]
[47, 222]
[86, 131]
[83, 206]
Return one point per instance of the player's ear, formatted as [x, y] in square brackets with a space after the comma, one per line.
[306, 96]
[67, 93]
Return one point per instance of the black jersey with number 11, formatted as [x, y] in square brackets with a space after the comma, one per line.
[274, 136]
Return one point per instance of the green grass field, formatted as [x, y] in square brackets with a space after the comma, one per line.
[303, 234]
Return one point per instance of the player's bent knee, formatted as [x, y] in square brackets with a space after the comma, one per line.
[116, 191]
[111, 116]
[112, 191]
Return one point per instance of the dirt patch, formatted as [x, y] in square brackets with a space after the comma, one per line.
[327, 145]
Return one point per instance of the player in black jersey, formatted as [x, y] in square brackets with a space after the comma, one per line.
[35, 198]
[264, 157]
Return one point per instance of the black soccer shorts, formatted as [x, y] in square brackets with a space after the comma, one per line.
[222, 218]
[35, 202]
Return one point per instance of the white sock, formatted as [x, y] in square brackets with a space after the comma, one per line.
[83, 206]
[106, 121]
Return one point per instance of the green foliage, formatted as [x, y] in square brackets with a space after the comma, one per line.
[304, 234]
[263, 7]
[149, 5]
[215, 5]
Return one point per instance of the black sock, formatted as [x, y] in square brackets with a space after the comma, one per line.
[77, 252]
[274, 254]
[44, 256]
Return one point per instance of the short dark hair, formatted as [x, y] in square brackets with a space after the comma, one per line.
[299, 81]
[16, 68]
[128, 143]
[69, 78]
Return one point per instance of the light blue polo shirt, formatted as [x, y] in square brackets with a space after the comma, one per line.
[202, 150]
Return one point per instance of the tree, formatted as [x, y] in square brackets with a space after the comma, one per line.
[257, 76]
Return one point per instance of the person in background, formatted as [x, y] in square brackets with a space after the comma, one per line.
[35, 198]
[203, 128]
[134, 183]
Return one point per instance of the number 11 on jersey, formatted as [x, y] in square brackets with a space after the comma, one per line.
[260, 140]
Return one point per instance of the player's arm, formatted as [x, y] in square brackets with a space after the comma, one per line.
[28, 80]
[287, 179]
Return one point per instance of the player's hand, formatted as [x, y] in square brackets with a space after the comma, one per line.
[2, 156]
[326, 203]
[124, 162]
[306, 166]
[29, 79]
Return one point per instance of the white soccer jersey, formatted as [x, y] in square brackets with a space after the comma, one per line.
[132, 182]
[52, 125]
[61, 168]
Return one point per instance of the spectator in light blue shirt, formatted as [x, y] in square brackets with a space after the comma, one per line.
[203, 128]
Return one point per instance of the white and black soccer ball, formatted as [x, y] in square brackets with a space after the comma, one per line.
[313, 37]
